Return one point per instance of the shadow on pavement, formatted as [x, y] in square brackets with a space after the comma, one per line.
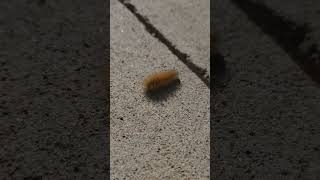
[162, 94]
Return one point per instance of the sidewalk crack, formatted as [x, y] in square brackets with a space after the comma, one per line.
[183, 57]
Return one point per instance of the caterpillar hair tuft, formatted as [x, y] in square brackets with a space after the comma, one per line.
[159, 80]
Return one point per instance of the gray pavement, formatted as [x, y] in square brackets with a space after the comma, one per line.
[302, 13]
[162, 137]
[294, 25]
[298, 11]
[265, 123]
[53, 120]
[266, 120]
[186, 23]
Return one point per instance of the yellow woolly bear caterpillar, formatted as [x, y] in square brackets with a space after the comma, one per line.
[160, 79]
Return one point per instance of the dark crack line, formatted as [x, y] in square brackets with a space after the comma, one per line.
[183, 57]
[287, 34]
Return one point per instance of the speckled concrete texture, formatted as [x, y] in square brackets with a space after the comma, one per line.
[165, 136]
[299, 11]
[186, 23]
[293, 25]
[266, 120]
[303, 13]
[53, 90]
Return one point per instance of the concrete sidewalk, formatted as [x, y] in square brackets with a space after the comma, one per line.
[302, 13]
[186, 23]
[266, 121]
[53, 119]
[294, 25]
[165, 137]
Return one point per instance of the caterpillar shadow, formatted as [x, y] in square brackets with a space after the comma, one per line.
[163, 93]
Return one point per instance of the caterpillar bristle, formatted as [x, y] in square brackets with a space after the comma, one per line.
[159, 80]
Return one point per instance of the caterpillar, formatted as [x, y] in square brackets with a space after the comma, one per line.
[161, 79]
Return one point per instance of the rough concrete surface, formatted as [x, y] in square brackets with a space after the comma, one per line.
[266, 120]
[302, 13]
[294, 25]
[165, 136]
[53, 90]
[299, 11]
[186, 23]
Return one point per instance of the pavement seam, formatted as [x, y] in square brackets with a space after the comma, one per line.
[295, 35]
[183, 57]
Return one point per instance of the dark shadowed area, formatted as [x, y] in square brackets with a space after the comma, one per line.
[54, 91]
[265, 119]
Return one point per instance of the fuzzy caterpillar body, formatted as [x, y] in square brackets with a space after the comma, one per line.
[159, 80]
